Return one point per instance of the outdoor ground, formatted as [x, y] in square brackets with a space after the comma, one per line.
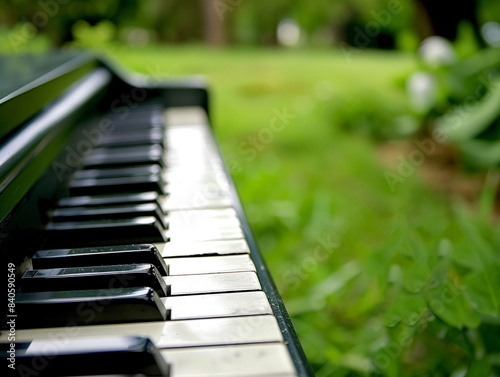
[336, 234]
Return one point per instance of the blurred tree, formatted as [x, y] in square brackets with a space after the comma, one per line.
[255, 22]
[324, 19]
[213, 22]
[177, 21]
[220, 22]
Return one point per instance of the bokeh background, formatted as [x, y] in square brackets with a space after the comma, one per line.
[363, 138]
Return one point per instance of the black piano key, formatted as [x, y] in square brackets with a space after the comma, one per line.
[145, 118]
[90, 186]
[109, 212]
[133, 171]
[104, 232]
[116, 355]
[99, 256]
[103, 200]
[110, 157]
[132, 137]
[140, 123]
[88, 307]
[94, 277]
[109, 152]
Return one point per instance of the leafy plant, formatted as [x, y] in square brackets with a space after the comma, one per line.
[457, 100]
[88, 36]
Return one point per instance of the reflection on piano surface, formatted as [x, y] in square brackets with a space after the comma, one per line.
[131, 250]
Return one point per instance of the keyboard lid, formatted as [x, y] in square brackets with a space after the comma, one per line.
[30, 82]
[36, 115]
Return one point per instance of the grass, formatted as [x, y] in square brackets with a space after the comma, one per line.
[344, 249]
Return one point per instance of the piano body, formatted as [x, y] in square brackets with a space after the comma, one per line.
[125, 248]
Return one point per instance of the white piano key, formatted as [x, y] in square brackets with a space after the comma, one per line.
[193, 135]
[240, 375]
[189, 235]
[189, 115]
[192, 224]
[189, 248]
[212, 283]
[230, 361]
[182, 193]
[243, 375]
[171, 334]
[208, 265]
[219, 213]
[217, 305]
[208, 177]
[177, 176]
[199, 201]
[221, 218]
[206, 181]
[179, 171]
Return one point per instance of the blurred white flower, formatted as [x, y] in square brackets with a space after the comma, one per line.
[422, 91]
[491, 33]
[288, 32]
[437, 51]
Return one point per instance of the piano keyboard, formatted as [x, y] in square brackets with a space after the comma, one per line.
[148, 248]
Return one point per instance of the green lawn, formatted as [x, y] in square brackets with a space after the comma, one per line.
[361, 267]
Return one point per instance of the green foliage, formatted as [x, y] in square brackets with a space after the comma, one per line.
[360, 112]
[23, 37]
[460, 103]
[173, 21]
[323, 22]
[87, 36]
[473, 127]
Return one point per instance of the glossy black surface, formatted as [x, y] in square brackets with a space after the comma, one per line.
[134, 171]
[89, 186]
[97, 256]
[100, 200]
[88, 307]
[29, 82]
[109, 212]
[94, 277]
[32, 148]
[80, 357]
[149, 136]
[104, 232]
[125, 156]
